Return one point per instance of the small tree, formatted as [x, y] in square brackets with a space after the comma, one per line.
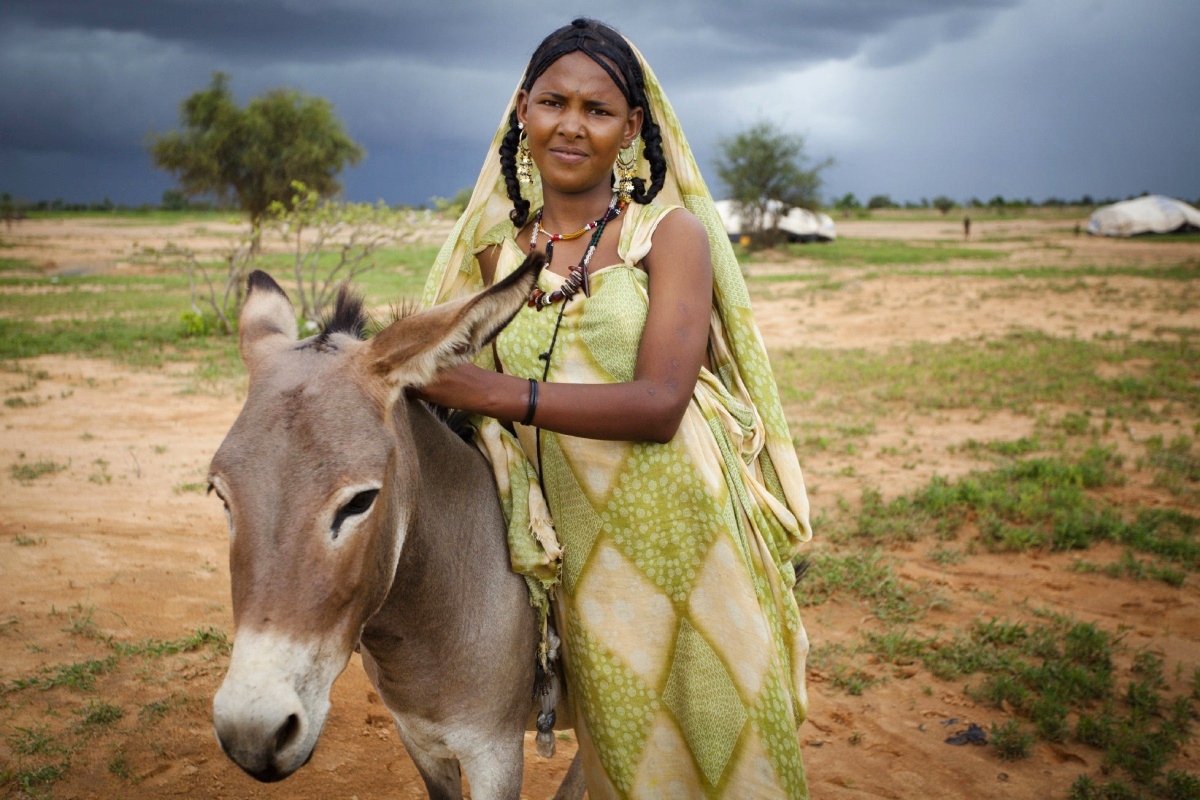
[251, 155]
[221, 293]
[881, 201]
[764, 169]
[944, 204]
[331, 242]
[847, 203]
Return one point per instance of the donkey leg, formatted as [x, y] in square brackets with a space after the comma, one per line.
[443, 779]
[441, 775]
[573, 785]
[495, 771]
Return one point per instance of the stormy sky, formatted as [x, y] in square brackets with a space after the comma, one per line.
[912, 98]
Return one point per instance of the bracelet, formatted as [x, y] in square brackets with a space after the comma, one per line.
[533, 394]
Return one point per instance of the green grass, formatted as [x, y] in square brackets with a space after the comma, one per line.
[1053, 672]
[1009, 373]
[147, 321]
[28, 471]
[69, 730]
[888, 252]
[868, 576]
[1042, 503]
[98, 714]
[16, 265]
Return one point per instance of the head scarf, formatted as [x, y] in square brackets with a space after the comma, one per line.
[735, 345]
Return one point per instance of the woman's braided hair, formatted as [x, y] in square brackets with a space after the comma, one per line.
[608, 49]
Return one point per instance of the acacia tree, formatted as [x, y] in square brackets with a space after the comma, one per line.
[252, 155]
[767, 175]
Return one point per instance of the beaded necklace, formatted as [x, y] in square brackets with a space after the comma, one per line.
[577, 276]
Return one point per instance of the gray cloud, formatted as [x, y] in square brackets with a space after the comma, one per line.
[905, 94]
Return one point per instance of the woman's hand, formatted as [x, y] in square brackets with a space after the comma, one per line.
[461, 387]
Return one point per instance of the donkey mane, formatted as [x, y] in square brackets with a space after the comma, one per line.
[349, 317]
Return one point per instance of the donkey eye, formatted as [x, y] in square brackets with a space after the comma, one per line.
[211, 489]
[359, 504]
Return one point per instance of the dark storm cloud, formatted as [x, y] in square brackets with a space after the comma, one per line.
[908, 95]
[756, 32]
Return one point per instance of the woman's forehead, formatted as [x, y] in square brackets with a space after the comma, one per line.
[577, 73]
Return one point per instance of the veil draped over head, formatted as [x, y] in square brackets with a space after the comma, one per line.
[736, 352]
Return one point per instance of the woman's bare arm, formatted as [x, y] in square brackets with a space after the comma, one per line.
[674, 342]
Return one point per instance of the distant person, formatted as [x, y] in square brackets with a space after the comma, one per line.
[966, 227]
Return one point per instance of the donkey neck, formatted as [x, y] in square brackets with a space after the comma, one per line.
[454, 544]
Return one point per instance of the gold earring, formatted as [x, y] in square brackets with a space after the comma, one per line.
[626, 169]
[524, 160]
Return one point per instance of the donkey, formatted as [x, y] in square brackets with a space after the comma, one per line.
[357, 517]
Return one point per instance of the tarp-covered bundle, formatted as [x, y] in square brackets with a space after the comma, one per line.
[798, 225]
[1150, 214]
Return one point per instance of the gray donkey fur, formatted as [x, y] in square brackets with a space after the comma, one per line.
[358, 517]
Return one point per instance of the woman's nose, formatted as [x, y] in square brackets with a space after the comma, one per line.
[571, 124]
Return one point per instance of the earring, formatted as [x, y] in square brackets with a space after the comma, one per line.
[626, 168]
[524, 160]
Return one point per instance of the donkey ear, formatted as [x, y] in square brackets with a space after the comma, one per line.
[267, 322]
[412, 350]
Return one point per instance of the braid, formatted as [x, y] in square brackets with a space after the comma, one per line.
[508, 168]
[652, 136]
[608, 49]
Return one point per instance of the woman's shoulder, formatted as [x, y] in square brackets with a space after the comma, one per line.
[658, 223]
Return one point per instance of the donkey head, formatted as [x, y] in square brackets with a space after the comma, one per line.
[318, 477]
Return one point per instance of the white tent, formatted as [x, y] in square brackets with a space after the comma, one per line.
[1150, 214]
[798, 225]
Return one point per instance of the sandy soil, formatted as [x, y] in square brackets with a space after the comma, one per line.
[123, 543]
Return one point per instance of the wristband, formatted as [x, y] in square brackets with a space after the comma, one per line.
[533, 397]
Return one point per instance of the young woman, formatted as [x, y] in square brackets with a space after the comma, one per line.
[639, 445]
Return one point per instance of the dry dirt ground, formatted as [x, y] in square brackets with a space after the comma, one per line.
[122, 543]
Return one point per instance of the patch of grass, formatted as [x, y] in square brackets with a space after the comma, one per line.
[17, 265]
[1048, 673]
[34, 781]
[1011, 741]
[34, 741]
[889, 252]
[1131, 567]
[946, 556]
[867, 576]
[210, 638]
[1177, 465]
[157, 709]
[851, 680]
[1041, 503]
[1008, 373]
[79, 675]
[29, 471]
[99, 714]
[1008, 448]
[118, 765]
[21, 540]
[101, 476]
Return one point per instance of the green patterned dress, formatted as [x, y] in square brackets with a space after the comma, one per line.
[682, 641]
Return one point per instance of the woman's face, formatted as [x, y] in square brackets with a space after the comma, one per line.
[576, 121]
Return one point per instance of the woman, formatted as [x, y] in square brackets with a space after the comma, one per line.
[633, 398]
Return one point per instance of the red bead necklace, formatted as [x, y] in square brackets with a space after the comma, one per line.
[577, 276]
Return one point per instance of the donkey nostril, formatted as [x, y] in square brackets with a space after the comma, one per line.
[287, 732]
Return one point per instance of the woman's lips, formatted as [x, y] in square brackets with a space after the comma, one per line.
[568, 155]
